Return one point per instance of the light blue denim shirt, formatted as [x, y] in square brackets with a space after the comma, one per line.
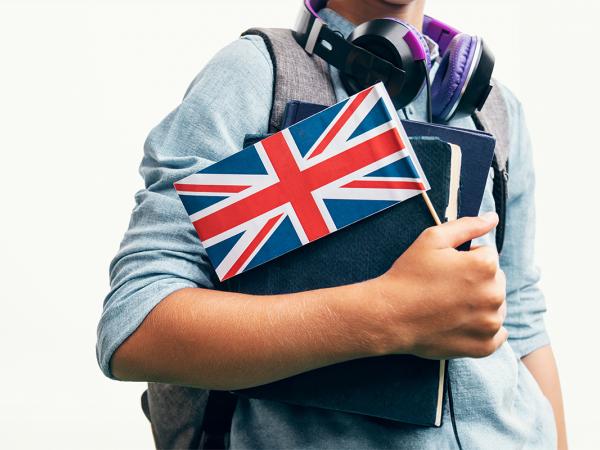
[497, 402]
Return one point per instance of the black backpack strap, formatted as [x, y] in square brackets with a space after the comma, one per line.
[494, 119]
[216, 424]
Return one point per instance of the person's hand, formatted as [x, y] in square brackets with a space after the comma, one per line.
[437, 302]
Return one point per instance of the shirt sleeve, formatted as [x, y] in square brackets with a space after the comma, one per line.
[525, 300]
[160, 252]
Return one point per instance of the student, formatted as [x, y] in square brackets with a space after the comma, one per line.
[162, 320]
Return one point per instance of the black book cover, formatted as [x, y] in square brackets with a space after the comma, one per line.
[398, 387]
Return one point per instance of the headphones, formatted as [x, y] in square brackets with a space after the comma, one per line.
[395, 53]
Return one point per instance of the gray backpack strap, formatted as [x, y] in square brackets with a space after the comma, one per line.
[494, 119]
[175, 414]
[296, 74]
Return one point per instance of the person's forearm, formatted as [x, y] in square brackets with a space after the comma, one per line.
[221, 340]
[434, 302]
[542, 365]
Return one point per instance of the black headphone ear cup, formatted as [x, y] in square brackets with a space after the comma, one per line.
[384, 38]
[358, 76]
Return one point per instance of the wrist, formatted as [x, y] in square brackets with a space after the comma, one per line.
[379, 317]
[391, 314]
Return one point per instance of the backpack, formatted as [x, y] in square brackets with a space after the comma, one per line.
[184, 417]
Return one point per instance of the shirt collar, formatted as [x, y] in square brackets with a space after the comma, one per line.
[338, 22]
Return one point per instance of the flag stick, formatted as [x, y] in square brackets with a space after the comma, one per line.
[432, 211]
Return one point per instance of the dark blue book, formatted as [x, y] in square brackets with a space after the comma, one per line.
[477, 148]
[401, 388]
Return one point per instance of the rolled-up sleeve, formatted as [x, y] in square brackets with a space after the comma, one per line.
[160, 252]
[525, 300]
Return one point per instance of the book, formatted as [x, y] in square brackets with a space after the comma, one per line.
[401, 388]
[455, 165]
[477, 149]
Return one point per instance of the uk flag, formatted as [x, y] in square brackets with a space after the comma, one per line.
[328, 171]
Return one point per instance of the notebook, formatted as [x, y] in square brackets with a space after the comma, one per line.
[401, 388]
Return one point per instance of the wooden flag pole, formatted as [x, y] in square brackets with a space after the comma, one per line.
[432, 211]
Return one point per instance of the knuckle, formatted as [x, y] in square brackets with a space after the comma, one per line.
[431, 234]
[494, 324]
[501, 276]
[480, 351]
[503, 310]
[486, 348]
[486, 297]
[496, 297]
[489, 325]
[472, 278]
[486, 262]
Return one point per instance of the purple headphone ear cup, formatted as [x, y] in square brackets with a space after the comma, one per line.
[452, 74]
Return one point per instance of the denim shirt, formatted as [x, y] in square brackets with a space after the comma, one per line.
[497, 402]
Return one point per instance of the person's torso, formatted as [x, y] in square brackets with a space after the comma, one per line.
[497, 402]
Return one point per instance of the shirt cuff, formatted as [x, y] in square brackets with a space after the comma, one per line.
[523, 347]
[125, 314]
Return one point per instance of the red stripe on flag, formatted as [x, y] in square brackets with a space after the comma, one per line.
[340, 123]
[378, 184]
[295, 188]
[209, 188]
[250, 249]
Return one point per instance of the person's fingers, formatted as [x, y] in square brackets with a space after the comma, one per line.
[484, 258]
[501, 337]
[456, 232]
[503, 311]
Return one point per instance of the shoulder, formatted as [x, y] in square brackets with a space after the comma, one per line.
[230, 97]
[239, 65]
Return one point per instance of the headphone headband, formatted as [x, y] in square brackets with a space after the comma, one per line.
[440, 32]
[395, 53]
[315, 5]
[309, 24]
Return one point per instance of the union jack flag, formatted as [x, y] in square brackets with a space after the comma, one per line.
[328, 171]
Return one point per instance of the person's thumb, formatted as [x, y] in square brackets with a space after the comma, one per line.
[456, 232]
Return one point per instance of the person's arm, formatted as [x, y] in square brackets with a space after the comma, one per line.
[542, 365]
[434, 302]
[160, 252]
[525, 300]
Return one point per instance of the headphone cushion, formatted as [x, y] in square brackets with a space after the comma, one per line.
[452, 74]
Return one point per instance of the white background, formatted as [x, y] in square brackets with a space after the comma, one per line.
[82, 83]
